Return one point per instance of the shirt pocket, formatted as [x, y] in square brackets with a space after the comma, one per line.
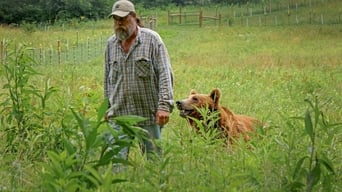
[143, 67]
[113, 71]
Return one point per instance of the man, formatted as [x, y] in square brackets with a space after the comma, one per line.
[138, 78]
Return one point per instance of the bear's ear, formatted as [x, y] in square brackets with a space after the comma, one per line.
[192, 92]
[215, 94]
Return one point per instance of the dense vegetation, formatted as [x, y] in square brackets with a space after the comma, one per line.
[51, 11]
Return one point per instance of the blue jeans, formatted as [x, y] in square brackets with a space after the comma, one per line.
[149, 146]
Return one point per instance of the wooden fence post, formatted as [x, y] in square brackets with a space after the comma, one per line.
[219, 19]
[59, 51]
[40, 54]
[2, 51]
[50, 55]
[288, 14]
[168, 17]
[180, 15]
[322, 19]
[200, 18]
[67, 50]
[88, 48]
[77, 38]
[151, 23]
[74, 53]
[265, 19]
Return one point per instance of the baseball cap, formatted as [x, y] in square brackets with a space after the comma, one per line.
[122, 8]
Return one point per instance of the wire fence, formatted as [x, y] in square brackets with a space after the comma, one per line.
[70, 54]
[286, 19]
[289, 12]
[66, 51]
[62, 52]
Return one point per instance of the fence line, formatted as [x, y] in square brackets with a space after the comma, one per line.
[151, 21]
[268, 17]
[283, 13]
[286, 19]
[62, 52]
[269, 8]
[183, 17]
[271, 13]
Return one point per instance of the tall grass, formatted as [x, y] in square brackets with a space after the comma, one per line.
[288, 76]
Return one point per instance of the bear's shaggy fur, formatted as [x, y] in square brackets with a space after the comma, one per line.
[231, 125]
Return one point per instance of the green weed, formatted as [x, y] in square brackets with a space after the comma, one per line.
[316, 167]
[86, 162]
[24, 105]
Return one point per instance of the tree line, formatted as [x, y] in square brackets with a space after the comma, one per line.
[35, 11]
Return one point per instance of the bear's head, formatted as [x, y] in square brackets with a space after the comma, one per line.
[189, 107]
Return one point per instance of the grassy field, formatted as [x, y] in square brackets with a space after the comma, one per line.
[273, 73]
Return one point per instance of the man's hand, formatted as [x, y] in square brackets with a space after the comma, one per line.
[162, 117]
[106, 118]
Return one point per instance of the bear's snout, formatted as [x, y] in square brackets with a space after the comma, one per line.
[184, 110]
[179, 104]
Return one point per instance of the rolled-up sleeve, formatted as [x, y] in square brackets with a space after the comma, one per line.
[166, 102]
[106, 72]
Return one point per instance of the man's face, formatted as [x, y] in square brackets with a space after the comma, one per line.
[124, 26]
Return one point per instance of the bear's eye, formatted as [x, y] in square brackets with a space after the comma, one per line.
[195, 99]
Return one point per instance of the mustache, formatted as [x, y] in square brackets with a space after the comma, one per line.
[121, 28]
[124, 27]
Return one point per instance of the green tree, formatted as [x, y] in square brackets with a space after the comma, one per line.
[34, 11]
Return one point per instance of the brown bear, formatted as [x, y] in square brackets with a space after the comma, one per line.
[229, 124]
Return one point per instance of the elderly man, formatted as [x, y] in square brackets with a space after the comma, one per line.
[138, 78]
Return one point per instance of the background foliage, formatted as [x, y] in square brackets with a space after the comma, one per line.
[51, 11]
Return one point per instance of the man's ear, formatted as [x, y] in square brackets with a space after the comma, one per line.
[133, 14]
[215, 94]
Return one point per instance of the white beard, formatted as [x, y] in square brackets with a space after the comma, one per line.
[123, 34]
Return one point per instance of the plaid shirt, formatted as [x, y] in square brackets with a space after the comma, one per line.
[141, 81]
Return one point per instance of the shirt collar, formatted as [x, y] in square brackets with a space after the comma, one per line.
[138, 37]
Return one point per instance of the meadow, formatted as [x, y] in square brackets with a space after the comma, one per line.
[287, 76]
